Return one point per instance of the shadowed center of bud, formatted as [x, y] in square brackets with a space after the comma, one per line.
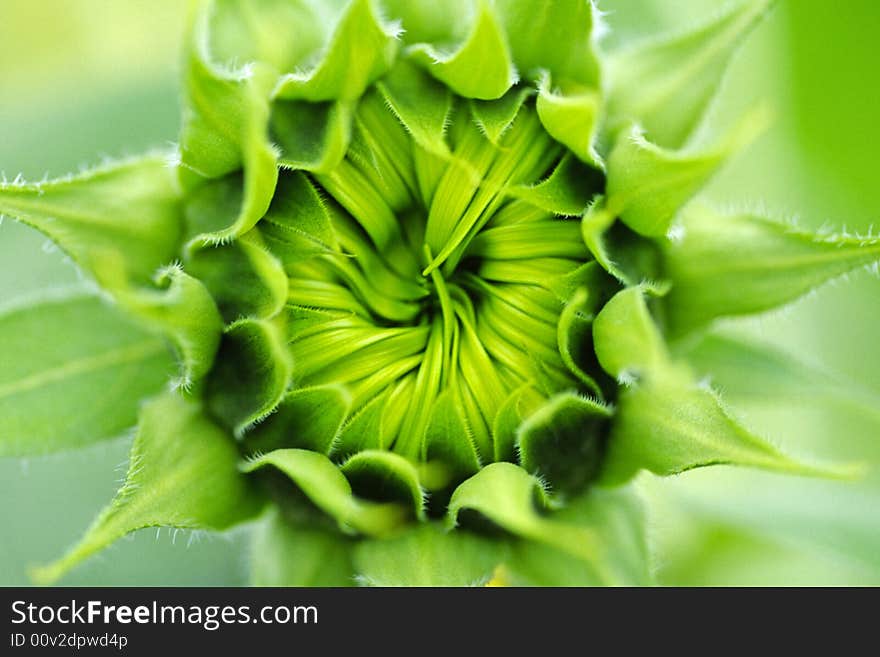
[453, 300]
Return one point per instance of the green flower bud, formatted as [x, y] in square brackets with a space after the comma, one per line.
[418, 264]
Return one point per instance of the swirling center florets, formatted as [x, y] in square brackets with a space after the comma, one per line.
[437, 297]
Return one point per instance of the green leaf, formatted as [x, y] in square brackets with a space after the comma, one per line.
[741, 265]
[73, 372]
[308, 418]
[362, 429]
[182, 473]
[228, 165]
[785, 511]
[505, 494]
[283, 554]
[618, 520]
[666, 84]
[668, 424]
[594, 226]
[626, 339]
[648, 185]
[562, 441]
[127, 212]
[244, 279]
[328, 489]
[427, 556]
[479, 67]
[251, 374]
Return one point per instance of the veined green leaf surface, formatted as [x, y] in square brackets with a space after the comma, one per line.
[72, 372]
[749, 369]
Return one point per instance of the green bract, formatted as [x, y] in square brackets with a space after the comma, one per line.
[419, 263]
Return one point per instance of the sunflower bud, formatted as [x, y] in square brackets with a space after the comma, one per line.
[418, 269]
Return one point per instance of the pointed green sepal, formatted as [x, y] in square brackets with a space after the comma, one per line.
[421, 103]
[666, 84]
[127, 212]
[311, 136]
[557, 36]
[567, 191]
[518, 405]
[228, 166]
[574, 338]
[182, 473]
[512, 499]
[618, 520]
[494, 117]
[297, 224]
[449, 439]
[744, 264]
[570, 114]
[181, 309]
[668, 424]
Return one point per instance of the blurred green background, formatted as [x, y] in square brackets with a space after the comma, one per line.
[84, 79]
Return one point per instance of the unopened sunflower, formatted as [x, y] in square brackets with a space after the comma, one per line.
[405, 292]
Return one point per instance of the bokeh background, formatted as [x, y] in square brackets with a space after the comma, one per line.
[86, 79]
